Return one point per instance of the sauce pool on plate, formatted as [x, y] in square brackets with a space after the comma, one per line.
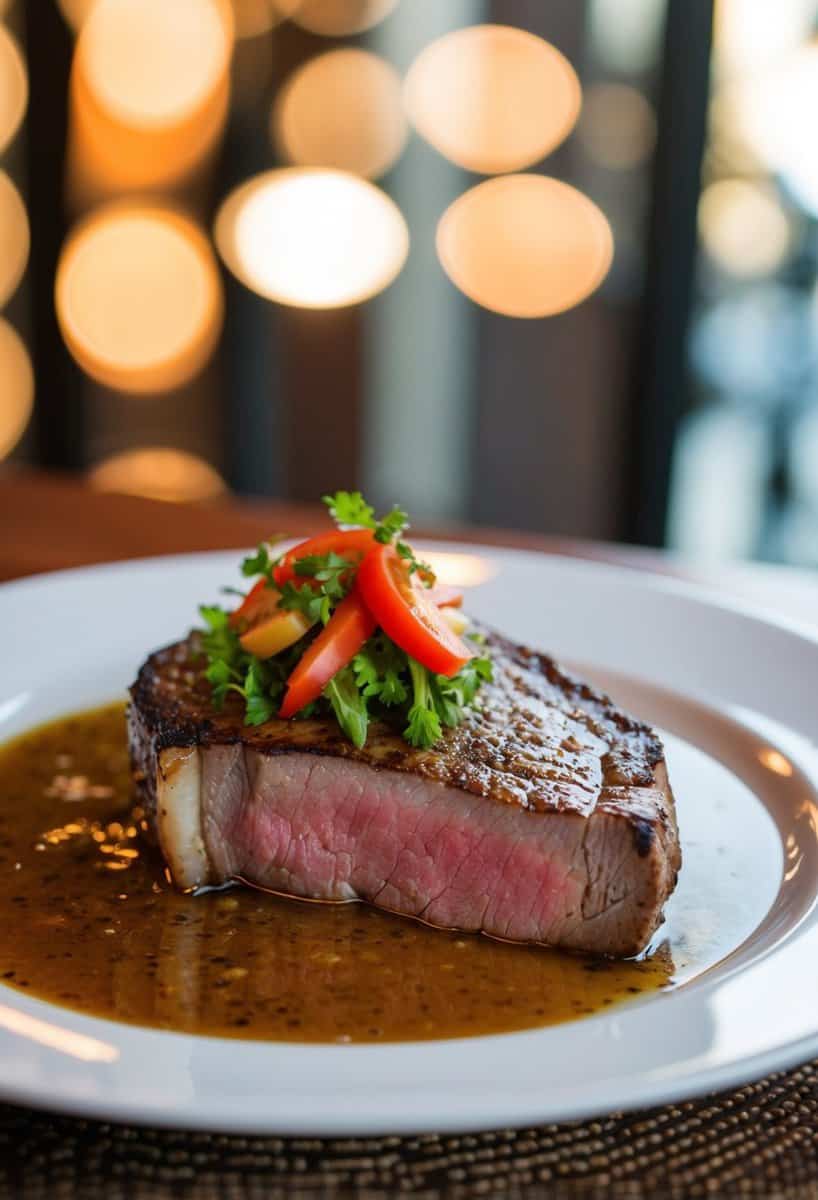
[89, 920]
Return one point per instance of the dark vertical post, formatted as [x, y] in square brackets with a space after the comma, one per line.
[321, 377]
[250, 358]
[292, 377]
[324, 378]
[661, 375]
[542, 412]
[58, 410]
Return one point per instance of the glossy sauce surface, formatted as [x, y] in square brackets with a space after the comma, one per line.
[89, 920]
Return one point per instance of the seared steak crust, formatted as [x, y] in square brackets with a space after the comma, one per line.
[569, 768]
[540, 738]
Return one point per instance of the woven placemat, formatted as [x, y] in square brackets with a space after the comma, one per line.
[761, 1140]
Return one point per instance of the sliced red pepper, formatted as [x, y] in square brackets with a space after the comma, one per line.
[339, 641]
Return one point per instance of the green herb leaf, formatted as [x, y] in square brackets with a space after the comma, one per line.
[349, 706]
[305, 599]
[258, 563]
[260, 705]
[463, 687]
[332, 571]
[424, 727]
[214, 617]
[223, 678]
[331, 578]
[378, 669]
[392, 525]
[259, 709]
[350, 508]
[447, 701]
[393, 691]
[219, 641]
[261, 563]
[416, 564]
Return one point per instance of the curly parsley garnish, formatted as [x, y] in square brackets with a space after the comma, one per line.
[350, 508]
[381, 682]
[230, 669]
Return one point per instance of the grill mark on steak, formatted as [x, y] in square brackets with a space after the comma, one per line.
[545, 816]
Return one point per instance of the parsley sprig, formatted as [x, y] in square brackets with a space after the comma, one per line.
[378, 671]
[440, 702]
[259, 683]
[330, 577]
[382, 682]
[350, 509]
[261, 563]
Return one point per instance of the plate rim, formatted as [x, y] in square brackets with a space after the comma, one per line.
[636, 1094]
[670, 584]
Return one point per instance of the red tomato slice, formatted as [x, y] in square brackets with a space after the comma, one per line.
[405, 611]
[350, 543]
[249, 605]
[445, 595]
[337, 644]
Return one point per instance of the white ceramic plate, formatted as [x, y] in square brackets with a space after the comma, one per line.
[736, 695]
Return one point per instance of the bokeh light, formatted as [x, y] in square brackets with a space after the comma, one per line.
[16, 388]
[743, 227]
[749, 37]
[13, 88]
[342, 109]
[139, 298]
[149, 90]
[312, 238]
[459, 569]
[254, 18]
[525, 245]
[76, 12]
[251, 18]
[336, 18]
[775, 761]
[158, 473]
[492, 98]
[14, 238]
[774, 113]
[149, 63]
[617, 126]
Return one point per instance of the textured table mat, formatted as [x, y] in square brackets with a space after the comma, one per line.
[761, 1140]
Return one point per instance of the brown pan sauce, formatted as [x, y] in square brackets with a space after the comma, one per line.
[89, 920]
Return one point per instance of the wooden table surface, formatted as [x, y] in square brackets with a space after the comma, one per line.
[50, 522]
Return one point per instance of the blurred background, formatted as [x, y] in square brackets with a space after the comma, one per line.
[545, 264]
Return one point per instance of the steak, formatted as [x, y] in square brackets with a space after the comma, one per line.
[546, 816]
